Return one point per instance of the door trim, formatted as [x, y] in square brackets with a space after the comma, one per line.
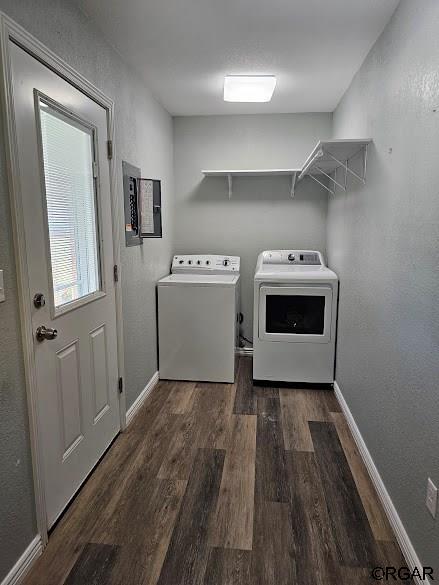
[11, 31]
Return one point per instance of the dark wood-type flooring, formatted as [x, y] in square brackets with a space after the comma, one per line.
[225, 484]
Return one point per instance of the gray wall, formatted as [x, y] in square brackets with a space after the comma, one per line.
[383, 242]
[144, 137]
[261, 214]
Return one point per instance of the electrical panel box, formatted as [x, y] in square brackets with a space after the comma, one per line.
[143, 206]
[130, 176]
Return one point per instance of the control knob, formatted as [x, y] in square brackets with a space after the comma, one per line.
[291, 257]
[226, 262]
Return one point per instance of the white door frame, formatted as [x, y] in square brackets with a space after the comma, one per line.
[9, 30]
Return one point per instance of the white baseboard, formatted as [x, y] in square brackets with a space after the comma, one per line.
[132, 411]
[24, 563]
[400, 532]
[244, 351]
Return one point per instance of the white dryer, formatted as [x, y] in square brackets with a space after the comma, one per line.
[295, 317]
[198, 311]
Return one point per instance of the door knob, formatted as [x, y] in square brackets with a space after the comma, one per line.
[44, 332]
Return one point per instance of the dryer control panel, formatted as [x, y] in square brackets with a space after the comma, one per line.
[294, 257]
[205, 264]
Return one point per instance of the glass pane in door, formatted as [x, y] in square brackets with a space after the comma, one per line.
[295, 314]
[68, 154]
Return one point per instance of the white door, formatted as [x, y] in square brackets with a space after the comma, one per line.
[65, 185]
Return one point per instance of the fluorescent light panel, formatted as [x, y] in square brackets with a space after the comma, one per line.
[249, 88]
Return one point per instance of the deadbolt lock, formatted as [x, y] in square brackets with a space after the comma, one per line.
[39, 300]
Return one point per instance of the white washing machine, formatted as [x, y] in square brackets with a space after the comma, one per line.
[295, 317]
[198, 313]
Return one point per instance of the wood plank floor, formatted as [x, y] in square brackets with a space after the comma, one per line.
[225, 484]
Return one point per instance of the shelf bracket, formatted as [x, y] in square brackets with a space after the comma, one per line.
[307, 168]
[321, 184]
[230, 185]
[293, 185]
[345, 165]
[365, 162]
[330, 178]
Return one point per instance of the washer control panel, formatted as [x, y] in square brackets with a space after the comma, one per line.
[205, 263]
[295, 257]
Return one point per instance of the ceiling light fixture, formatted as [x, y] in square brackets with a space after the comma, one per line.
[249, 88]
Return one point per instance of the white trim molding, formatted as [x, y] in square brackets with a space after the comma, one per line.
[24, 563]
[134, 408]
[398, 528]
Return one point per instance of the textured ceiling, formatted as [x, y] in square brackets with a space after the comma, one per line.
[183, 48]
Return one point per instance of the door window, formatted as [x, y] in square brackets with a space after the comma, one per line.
[297, 314]
[68, 148]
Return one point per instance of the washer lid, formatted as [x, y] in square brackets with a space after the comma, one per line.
[199, 280]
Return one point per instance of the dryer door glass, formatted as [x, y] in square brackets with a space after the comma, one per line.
[295, 314]
[301, 315]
